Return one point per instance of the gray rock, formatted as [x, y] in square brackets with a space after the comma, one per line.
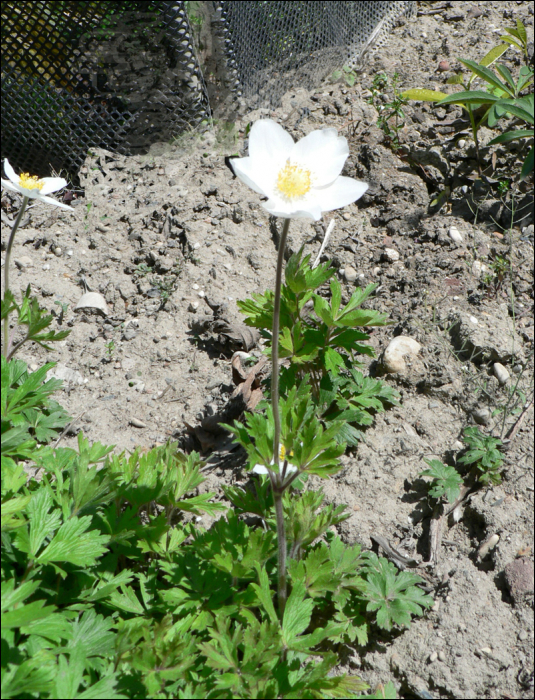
[519, 578]
[350, 274]
[485, 338]
[481, 416]
[129, 333]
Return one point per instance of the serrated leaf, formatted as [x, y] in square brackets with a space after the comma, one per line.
[73, 544]
[297, 614]
[446, 480]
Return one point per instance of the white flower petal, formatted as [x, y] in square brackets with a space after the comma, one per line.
[324, 153]
[52, 184]
[269, 141]
[49, 200]
[10, 186]
[343, 191]
[260, 177]
[259, 469]
[293, 210]
[10, 172]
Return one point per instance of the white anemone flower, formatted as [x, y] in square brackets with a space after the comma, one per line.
[300, 180]
[290, 468]
[33, 187]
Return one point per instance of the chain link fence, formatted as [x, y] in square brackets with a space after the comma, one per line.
[125, 75]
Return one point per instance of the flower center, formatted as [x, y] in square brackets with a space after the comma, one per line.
[282, 452]
[294, 181]
[30, 182]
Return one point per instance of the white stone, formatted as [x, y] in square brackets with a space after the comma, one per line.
[455, 234]
[473, 319]
[390, 255]
[501, 373]
[92, 300]
[398, 347]
[461, 143]
[479, 268]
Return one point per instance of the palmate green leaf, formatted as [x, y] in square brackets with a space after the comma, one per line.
[12, 596]
[446, 480]
[382, 692]
[392, 594]
[33, 391]
[16, 443]
[32, 678]
[26, 613]
[92, 632]
[297, 614]
[54, 627]
[73, 544]
[333, 361]
[41, 523]
[45, 425]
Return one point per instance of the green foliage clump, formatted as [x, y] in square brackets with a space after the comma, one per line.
[446, 482]
[322, 339]
[483, 454]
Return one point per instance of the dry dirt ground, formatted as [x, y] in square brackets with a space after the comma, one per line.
[161, 235]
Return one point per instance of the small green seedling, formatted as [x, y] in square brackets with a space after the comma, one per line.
[446, 482]
[63, 310]
[110, 348]
[347, 73]
[483, 453]
[390, 110]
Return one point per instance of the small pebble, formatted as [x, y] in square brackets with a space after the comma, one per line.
[488, 545]
[195, 286]
[23, 262]
[58, 251]
[523, 635]
[376, 270]
[455, 235]
[433, 656]
[193, 306]
[350, 274]
[346, 216]
[398, 347]
[443, 66]
[390, 255]
[441, 656]
[462, 143]
[137, 423]
[501, 373]
[479, 268]
[481, 416]
[46, 267]
[474, 320]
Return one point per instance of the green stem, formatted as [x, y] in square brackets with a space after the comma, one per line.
[275, 346]
[277, 481]
[474, 133]
[281, 558]
[6, 267]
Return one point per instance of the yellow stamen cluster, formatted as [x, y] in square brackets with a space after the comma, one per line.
[294, 181]
[30, 182]
[282, 453]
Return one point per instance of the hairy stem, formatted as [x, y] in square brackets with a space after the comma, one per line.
[277, 480]
[275, 346]
[6, 267]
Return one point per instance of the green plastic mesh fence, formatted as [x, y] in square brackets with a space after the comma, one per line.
[125, 75]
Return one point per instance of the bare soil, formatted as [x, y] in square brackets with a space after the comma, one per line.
[161, 235]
